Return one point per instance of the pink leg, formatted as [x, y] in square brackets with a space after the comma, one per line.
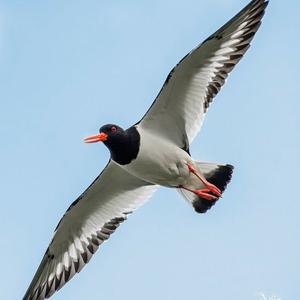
[211, 187]
[204, 193]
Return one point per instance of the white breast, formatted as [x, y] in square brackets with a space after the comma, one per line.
[159, 161]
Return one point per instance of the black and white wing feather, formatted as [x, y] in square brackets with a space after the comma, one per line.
[88, 222]
[179, 109]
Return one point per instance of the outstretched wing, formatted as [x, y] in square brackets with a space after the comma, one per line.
[179, 109]
[88, 222]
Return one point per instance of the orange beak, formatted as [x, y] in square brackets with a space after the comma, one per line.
[101, 137]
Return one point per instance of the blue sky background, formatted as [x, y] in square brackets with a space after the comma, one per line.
[67, 67]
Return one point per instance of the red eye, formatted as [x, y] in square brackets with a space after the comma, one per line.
[113, 129]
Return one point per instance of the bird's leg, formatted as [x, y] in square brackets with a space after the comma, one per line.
[211, 187]
[204, 193]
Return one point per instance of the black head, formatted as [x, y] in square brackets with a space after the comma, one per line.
[109, 134]
[122, 144]
[112, 134]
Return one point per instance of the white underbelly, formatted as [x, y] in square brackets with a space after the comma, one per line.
[160, 162]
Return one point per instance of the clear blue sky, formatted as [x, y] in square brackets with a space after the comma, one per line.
[67, 67]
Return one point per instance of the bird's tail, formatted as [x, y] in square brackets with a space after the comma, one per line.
[219, 175]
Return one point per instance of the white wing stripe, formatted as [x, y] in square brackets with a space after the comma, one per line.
[85, 226]
[196, 80]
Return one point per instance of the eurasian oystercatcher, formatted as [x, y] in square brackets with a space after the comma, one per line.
[153, 152]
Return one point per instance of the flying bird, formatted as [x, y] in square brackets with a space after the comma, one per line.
[154, 152]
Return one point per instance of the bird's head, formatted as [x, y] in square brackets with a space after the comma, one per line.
[109, 134]
[123, 144]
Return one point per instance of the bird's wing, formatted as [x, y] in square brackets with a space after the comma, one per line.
[180, 107]
[88, 222]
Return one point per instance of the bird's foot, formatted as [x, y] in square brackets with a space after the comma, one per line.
[204, 193]
[213, 189]
[209, 186]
